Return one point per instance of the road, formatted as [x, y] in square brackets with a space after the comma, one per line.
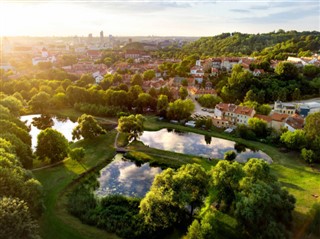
[198, 109]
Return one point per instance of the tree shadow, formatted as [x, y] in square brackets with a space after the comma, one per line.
[291, 185]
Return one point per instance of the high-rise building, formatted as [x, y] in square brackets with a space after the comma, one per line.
[101, 36]
[90, 38]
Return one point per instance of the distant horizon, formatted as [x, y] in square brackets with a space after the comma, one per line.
[150, 36]
[188, 18]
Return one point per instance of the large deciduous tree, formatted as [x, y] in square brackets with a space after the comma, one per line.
[40, 101]
[180, 109]
[132, 124]
[16, 220]
[53, 145]
[87, 128]
[312, 125]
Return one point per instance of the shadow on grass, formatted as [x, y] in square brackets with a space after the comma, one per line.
[291, 185]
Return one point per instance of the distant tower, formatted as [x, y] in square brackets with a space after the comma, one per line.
[101, 36]
[90, 38]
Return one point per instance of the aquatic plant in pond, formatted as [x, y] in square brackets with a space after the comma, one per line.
[196, 144]
[124, 177]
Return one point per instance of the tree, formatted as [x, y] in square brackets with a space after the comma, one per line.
[180, 109]
[40, 101]
[183, 92]
[87, 127]
[209, 101]
[263, 210]
[149, 75]
[16, 220]
[132, 124]
[13, 104]
[312, 125]
[230, 155]
[77, 154]
[286, 70]
[136, 80]
[294, 140]
[86, 79]
[53, 145]
[162, 105]
[258, 126]
[264, 109]
[311, 71]
[316, 84]
[144, 100]
[258, 169]
[296, 95]
[307, 155]
[172, 193]
[226, 177]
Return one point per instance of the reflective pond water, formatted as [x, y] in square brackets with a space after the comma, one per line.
[196, 144]
[126, 178]
[40, 122]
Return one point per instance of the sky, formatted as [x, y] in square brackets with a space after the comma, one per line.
[155, 17]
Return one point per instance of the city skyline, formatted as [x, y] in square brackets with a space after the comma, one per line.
[158, 18]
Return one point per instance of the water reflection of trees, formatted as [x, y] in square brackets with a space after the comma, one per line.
[240, 147]
[208, 139]
[43, 122]
[62, 119]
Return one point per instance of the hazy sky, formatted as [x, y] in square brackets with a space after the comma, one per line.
[155, 17]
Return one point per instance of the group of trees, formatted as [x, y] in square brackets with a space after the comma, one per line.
[306, 140]
[274, 45]
[54, 146]
[191, 196]
[20, 194]
[252, 195]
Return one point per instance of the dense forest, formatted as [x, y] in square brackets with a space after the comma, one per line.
[273, 45]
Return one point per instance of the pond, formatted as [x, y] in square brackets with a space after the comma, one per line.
[126, 178]
[196, 144]
[40, 122]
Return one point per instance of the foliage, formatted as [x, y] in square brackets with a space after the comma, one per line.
[16, 221]
[258, 126]
[312, 125]
[40, 101]
[171, 193]
[162, 104]
[230, 155]
[53, 145]
[183, 92]
[209, 101]
[286, 70]
[132, 124]
[149, 75]
[77, 154]
[180, 109]
[226, 179]
[308, 155]
[273, 45]
[294, 140]
[87, 128]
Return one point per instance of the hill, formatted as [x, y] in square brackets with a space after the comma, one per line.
[273, 45]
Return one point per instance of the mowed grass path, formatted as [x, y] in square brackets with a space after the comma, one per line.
[56, 222]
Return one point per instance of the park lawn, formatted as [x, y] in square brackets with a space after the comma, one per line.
[56, 222]
[296, 176]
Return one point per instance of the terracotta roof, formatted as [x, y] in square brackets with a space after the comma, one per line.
[295, 121]
[264, 117]
[243, 110]
[279, 117]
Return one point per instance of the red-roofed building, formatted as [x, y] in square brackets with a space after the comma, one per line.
[234, 113]
[294, 122]
[278, 120]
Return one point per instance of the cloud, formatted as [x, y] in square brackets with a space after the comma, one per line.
[284, 16]
[240, 10]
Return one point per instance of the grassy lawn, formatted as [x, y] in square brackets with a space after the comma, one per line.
[56, 222]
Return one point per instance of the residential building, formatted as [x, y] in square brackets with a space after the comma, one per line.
[294, 122]
[233, 113]
[278, 120]
[284, 108]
